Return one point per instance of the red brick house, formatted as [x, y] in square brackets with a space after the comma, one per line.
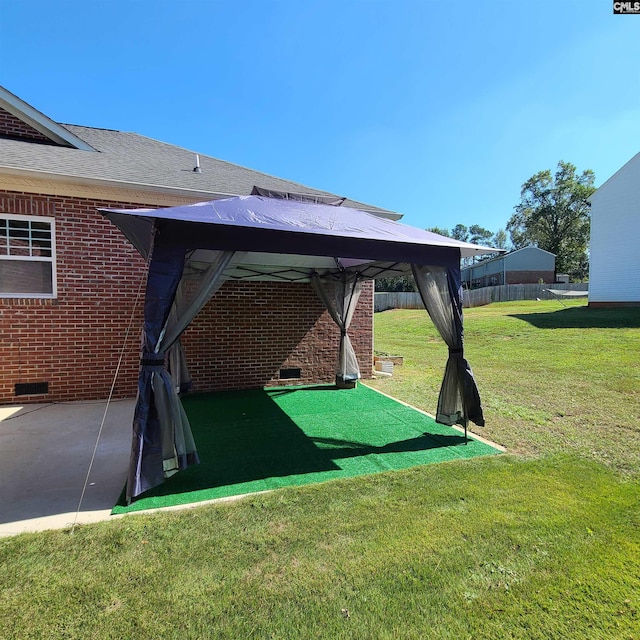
[69, 280]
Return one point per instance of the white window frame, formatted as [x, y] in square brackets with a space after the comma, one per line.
[51, 259]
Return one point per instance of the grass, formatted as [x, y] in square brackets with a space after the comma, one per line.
[494, 548]
[552, 379]
[540, 543]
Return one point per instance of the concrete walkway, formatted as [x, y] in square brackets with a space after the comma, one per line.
[45, 452]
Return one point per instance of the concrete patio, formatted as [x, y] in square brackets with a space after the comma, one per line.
[45, 452]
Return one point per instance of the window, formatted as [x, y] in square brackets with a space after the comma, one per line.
[27, 257]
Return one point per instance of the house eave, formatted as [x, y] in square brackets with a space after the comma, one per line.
[175, 194]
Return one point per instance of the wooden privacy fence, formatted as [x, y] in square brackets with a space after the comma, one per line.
[477, 297]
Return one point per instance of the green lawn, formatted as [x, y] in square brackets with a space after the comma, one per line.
[542, 542]
[552, 379]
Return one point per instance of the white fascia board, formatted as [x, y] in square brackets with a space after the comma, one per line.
[34, 118]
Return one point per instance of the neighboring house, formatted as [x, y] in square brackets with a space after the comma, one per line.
[528, 265]
[70, 283]
[615, 237]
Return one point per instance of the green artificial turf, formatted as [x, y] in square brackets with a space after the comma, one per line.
[256, 440]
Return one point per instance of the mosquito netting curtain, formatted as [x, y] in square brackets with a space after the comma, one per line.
[162, 440]
[441, 293]
[340, 293]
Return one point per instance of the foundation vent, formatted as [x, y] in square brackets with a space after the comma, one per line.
[31, 388]
[290, 374]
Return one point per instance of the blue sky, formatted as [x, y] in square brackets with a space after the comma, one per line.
[439, 110]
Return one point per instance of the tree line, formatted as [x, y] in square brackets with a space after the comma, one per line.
[475, 234]
[553, 214]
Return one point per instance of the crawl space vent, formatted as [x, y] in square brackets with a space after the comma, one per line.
[289, 374]
[31, 388]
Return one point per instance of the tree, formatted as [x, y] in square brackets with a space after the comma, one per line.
[479, 235]
[475, 234]
[440, 231]
[500, 240]
[554, 215]
[460, 232]
[396, 283]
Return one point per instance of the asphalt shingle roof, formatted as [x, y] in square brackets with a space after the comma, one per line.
[133, 159]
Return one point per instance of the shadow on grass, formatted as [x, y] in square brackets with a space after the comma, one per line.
[584, 318]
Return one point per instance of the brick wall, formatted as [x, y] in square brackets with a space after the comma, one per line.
[12, 127]
[249, 331]
[74, 341]
[530, 277]
[242, 339]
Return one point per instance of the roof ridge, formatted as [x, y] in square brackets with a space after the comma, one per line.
[84, 126]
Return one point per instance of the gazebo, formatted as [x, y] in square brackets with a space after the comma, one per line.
[192, 250]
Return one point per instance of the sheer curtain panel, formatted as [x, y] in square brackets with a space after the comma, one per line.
[441, 293]
[340, 294]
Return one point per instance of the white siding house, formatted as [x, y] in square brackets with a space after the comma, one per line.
[614, 275]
